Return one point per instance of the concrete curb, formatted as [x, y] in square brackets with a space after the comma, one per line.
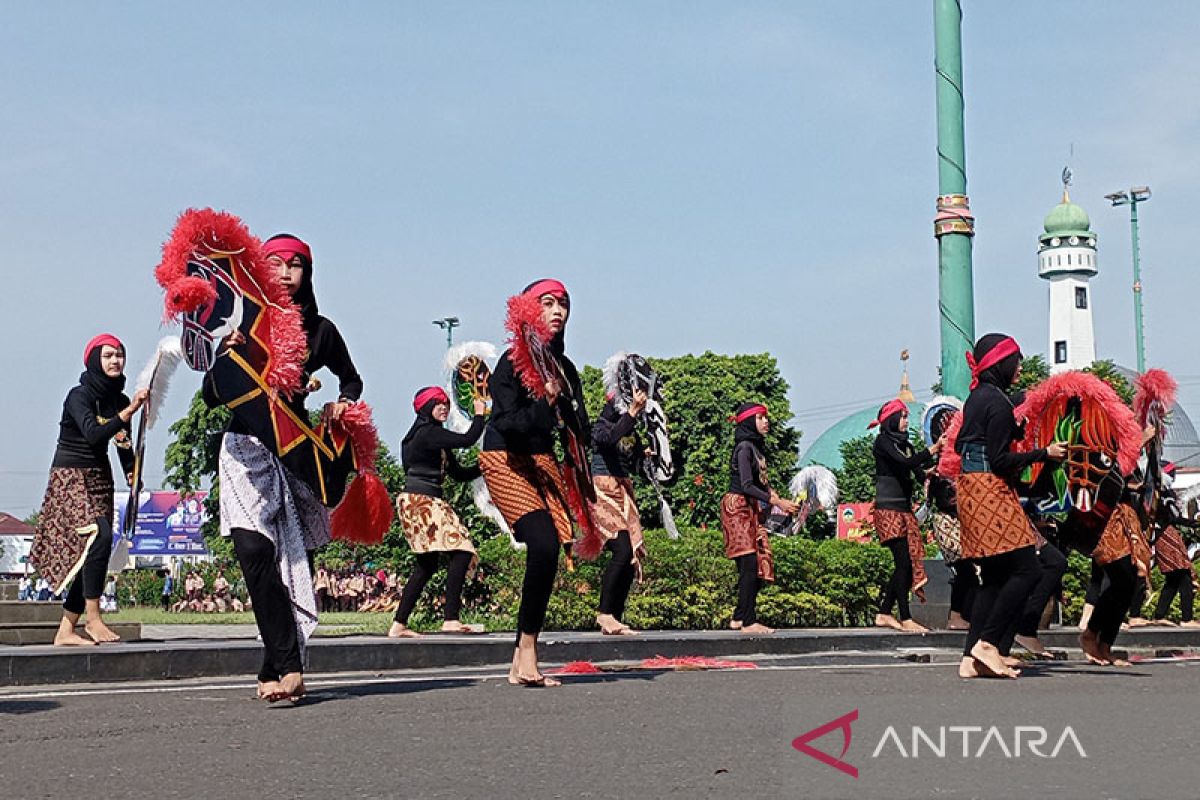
[200, 658]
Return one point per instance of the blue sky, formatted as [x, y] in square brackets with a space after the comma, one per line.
[740, 177]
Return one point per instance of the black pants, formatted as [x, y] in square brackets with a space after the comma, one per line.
[618, 575]
[1138, 600]
[749, 585]
[272, 604]
[1095, 585]
[456, 577]
[1005, 583]
[89, 581]
[1177, 582]
[1053, 566]
[1119, 582]
[896, 591]
[536, 530]
[963, 586]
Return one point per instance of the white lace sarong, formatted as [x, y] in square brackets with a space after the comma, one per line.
[259, 494]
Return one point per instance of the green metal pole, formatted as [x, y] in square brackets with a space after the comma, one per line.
[1137, 289]
[954, 225]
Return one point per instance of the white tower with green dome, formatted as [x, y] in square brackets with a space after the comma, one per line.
[1067, 259]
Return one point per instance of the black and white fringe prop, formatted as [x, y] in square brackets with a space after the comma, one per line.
[816, 488]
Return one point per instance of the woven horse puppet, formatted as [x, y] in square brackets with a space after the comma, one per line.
[625, 373]
[1152, 401]
[216, 281]
[1103, 443]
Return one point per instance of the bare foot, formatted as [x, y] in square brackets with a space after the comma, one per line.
[454, 626]
[1164, 623]
[1191, 623]
[402, 631]
[270, 691]
[1032, 643]
[72, 639]
[912, 626]
[957, 623]
[524, 670]
[757, 627]
[1092, 648]
[292, 685]
[736, 625]
[971, 667]
[1139, 622]
[610, 625]
[1011, 661]
[100, 632]
[887, 621]
[991, 658]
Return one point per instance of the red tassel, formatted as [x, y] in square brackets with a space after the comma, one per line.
[365, 513]
[590, 546]
[695, 662]
[525, 311]
[1153, 386]
[577, 668]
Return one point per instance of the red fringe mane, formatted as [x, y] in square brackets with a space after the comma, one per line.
[1108, 416]
[1154, 385]
[206, 230]
[949, 460]
[365, 513]
[526, 311]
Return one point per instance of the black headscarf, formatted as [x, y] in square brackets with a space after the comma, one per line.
[304, 297]
[424, 417]
[891, 427]
[1000, 375]
[558, 342]
[106, 389]
[747, 429]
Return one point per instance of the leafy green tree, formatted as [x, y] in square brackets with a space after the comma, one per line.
[191, 463]
[1106, 371]
[1034, 370]
[856, 476]
[699, 394]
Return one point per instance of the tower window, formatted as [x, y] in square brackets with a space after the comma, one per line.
[1068, 259]
[1081, 297]
[1060, 352]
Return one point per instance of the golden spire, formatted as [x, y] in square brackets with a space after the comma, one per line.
[905, 391]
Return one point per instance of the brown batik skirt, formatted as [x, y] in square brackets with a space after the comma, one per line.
[1122, 537]
[521, 484]
[75, 498]
[1170, 552]
[990, 516]
[431, 526]
[745, 533]
[615, 510]
[892, 524]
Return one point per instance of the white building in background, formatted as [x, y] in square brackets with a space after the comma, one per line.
[1067, 259]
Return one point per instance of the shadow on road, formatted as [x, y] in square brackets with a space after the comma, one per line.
[27, 706]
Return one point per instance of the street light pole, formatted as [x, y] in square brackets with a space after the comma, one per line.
[448, 324]
[1138, 194]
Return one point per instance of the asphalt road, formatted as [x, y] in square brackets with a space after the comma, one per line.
[635, 734]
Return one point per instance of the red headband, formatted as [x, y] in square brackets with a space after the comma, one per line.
[286, 247]
[889, 408]
[1003, 349]
[547, 286]
[100, 341]
[752, 411]
[429, 393]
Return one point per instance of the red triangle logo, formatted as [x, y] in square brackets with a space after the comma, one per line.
[843, 723]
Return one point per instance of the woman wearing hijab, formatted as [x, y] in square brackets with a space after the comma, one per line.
[743, 514]
[275, 519]
[996, 534]
[518, 461]
[430, 523]
[896, 461]
[74, 532]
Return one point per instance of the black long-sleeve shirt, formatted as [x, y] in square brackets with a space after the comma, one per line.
[748, 472]
[895, 462]
[988, 420]
[522, 424]
[428, 457]
[83, 437]
[326, 349]
[616, 446]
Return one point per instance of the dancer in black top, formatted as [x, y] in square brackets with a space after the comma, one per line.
[430, 523]
[896, 462]
[74, 531]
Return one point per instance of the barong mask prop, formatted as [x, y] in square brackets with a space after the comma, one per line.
[536, 365]
[1152, 401]
[935, 420]
[155, 378]
[1103, 442]
[216, 280]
